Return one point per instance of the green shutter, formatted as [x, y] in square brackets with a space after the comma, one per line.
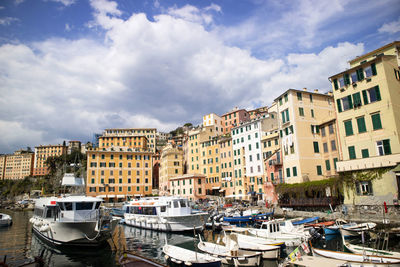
[348, 128]
[328, 165]
[316, 147]
[373, 68]
[317, 128]
[361, 125]
[294, 171]
[365, 97]
[360, 74]
[376, 121]
[386, 147]
[378, 93]
[365, 153]
[335, 160]
[357, 99]
[339, 105]
[346, 78]
[335, 84]
[350, 101]
[287, 114]
[287, 172]
[319, 170]
[352, 152]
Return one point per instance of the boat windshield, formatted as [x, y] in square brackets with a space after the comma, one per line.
[183, 203]
[84, 205]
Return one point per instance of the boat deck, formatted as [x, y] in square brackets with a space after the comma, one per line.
[310, 261]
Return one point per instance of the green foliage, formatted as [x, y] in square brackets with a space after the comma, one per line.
[307, 186]
[12, 188]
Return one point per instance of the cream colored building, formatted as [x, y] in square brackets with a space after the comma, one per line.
[149, 133]
[191, 186]
[19, 165]
[171, 165]
[368, 116]
[301, 113]
[213, 119]
[120, 168]
[2, 166]
[42, 153]
[210, 164]
[226, 170]
[73, 146]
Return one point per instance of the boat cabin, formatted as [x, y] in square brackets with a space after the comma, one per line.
[163, 206]
[72, 208]
[271, 226]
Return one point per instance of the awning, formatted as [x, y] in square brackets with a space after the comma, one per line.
[101, 196]
[110, 196]
[137, 195]
[216, 187]
[235, 196]
[120, 196]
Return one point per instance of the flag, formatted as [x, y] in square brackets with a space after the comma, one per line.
[304, 246]
[292, 255]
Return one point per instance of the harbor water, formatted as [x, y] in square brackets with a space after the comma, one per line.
[20, 245]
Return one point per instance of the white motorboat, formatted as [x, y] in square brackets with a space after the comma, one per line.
[357, 260]
[287, 227]
[187, 257]
[230, 253]
[271, 231]
[259, 240]
[72, 221]
[172, 214]
[5, 219]
[268, 251]
[357, 229]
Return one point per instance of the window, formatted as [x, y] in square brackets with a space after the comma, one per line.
[361, 125]
[383, 147]
[325, 145]
[312, 113]
[327, 165]
[371, 95]
[368, 72]
[323, 131]
[352, 152]
[299, 97]
[357, 99]
[348, 128]
[376, 121]
[364, 188]
[365, 153]
[347, 103]
[286, 97]
[330, 128]
[311, 98]
[319, 170]
[353, 76]
[301, 112]
[294, 171]
[316, 147]
[333, 145]
[335, 160]
[341, 82]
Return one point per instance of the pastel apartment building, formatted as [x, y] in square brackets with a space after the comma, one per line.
[2, 166]
[226, 170]
[191, 186]
[42, 153]
[213, 119]
[171, 165]
[300, 114]
[119, 136]
[210, 165]
[234, 117]
[367, 97]
[18, 165]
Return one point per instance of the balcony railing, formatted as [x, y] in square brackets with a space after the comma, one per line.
[309, 202]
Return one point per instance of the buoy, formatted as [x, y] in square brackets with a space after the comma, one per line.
[188, 263]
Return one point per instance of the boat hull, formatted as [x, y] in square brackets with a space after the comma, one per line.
[167, 223]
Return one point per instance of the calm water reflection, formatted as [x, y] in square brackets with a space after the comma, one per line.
[21, 245]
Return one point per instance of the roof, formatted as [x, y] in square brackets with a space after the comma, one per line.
[186, 176]
[302, 91]
[375, 51]
[233, 111]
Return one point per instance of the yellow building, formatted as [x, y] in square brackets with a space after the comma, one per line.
[171, 165]
[120, 168]
[300, 115]
[226, 158]
[2, 166]
[368, 117]
[19, 165]
[209, 165]
[149, 133]
[213, 119]
[191, 186]
[42, 153]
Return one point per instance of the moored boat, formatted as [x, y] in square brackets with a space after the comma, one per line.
[356, 230]
[365, 250]
[133, 260]
[171, 214]
[5, 219]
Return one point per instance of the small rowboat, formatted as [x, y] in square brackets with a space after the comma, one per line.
[320, 224]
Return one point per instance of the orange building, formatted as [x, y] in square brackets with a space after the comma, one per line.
[42, 153]
[234, 117]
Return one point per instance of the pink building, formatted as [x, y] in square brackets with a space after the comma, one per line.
[273, 170]
[234, 117]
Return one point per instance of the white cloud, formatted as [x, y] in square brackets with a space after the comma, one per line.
[392, 27]
[159, 73]
[7, 21]
[194, 14]
[64, 2]
[67, 27]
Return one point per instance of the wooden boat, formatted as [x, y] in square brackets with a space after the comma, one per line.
[187, 257]
[356, 230]
[357, 259]
[5, 219]
[307, 220]
[231, 254]
[133, 260]
[239, 219]
[358, 249]
[335, 229]
[320, 224]
[271, 231]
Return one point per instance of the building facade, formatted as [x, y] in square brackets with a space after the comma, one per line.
[210, 164]
[171, 165]
[233, 118]
[149, 133]
[213, 119]
[226, 158]
[19, 165]
[191, 186]
[42, 153]
[2, 166]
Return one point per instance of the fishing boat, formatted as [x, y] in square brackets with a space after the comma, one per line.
[365, 250]
[187, 257]
[335, 229]
[5, 219]
[356, 230]
[264, 216]
[171, 214]
[354, 260]
[320, 224]
[307, 220]
[270, 252]
[271, 231]
[72, 221]
[230, 254]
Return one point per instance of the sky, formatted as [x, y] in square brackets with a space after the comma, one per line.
[72, 68]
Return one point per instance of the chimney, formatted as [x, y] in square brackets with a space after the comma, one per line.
[315, 90]
[305, 89]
